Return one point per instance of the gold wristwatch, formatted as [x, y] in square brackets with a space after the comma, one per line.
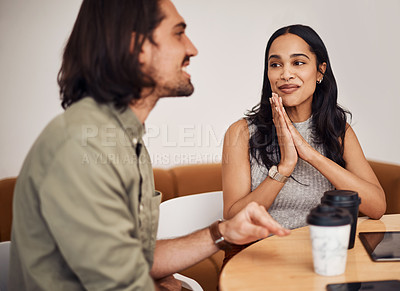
[274, 174]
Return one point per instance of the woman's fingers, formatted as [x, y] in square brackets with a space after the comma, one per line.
[286, 143]
[302, 147]
[282, 129]
[277, 113]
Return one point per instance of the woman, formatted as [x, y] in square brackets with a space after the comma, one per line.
[296, 144]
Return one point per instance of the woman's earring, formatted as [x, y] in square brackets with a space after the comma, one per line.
[319, 81]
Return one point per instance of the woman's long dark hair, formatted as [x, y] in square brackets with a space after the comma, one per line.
[97, 60]
[328, 118]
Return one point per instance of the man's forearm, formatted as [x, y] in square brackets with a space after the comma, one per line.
[174, 255]
[250, 224]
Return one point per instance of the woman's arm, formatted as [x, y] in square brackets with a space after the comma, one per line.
[236, 175]
[357, 176]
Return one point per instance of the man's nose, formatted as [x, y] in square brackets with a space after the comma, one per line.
[191, 50]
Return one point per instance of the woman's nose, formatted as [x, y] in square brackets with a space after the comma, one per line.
[287, 74]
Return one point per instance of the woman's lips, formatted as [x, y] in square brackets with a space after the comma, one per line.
[288, 89]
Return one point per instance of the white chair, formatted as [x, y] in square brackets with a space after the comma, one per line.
[183, 215]
[4, 261]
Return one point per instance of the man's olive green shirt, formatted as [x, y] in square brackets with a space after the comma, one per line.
[85, 212]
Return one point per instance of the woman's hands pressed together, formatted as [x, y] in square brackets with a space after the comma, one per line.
[291, 143]
[356, 175]
[289, 154]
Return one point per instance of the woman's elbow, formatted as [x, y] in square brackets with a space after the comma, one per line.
[377, 215]
[379, 209]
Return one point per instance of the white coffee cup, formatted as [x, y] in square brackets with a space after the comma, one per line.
[329, 232]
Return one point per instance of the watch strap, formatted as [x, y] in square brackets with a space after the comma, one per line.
[218, 238]
[274, 174]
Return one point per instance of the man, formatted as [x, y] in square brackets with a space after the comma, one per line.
[85, 209]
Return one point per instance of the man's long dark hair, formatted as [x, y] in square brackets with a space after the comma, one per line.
[97, 60]
[328, 118]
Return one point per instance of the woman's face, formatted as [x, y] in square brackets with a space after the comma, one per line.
[292, 70]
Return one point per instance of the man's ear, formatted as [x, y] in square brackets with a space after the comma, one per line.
[144, 54]
[321, 70]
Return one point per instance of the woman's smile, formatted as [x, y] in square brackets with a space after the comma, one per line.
[288, 88]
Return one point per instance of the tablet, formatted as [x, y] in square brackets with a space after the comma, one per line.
[382, 246]
[393, 285]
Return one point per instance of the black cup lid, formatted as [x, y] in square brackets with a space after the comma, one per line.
[340, 197]
[325, 215]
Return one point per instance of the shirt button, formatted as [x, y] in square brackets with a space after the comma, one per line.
[134, 140]
[141, 207]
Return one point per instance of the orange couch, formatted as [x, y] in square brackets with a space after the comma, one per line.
[6, 197]
[389, 177]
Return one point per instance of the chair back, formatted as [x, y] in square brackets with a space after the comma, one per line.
[4, 261]
[183, 215]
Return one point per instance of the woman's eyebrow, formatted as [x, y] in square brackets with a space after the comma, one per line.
[291, 56]
[299, 55]
[274, 57]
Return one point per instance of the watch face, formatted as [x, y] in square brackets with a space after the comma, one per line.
[272, 171]
[274, 174]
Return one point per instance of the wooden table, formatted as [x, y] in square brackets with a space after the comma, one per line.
[285, 263]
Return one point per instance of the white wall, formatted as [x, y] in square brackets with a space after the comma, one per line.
[361, 36]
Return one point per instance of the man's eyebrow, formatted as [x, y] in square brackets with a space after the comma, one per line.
[181, 25]
[291, 56]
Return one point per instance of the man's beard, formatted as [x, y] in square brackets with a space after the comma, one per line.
[175, 89]
[183, 88]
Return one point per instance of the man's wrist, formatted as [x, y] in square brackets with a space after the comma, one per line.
[217, 237]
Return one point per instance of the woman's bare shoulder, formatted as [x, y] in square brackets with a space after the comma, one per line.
[237, 134]
[238, 127]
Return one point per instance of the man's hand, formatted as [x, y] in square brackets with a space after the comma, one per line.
[168, 283]
[250, 224]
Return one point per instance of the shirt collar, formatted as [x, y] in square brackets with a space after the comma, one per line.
[130, 123]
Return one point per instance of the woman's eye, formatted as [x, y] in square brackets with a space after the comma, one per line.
[274, 65]
[299, 63]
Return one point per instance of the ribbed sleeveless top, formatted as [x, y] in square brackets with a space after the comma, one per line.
[294, 201]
